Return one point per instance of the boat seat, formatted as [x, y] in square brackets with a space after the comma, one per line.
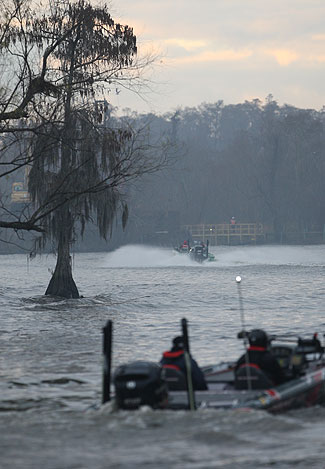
[257, 378]
[175, 379]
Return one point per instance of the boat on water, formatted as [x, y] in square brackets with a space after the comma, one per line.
[302, 360]
[199, 252]
[303, 363]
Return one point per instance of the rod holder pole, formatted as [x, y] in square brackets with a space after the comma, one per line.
[189, 382]
[107, 363]
[185, 335]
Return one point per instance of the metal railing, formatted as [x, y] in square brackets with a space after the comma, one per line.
[225, 233]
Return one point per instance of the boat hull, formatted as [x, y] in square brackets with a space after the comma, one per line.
[306, 391]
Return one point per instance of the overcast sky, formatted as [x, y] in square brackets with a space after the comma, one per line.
[230, 50]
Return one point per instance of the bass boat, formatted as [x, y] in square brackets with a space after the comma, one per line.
[200, 252]
[146, 383]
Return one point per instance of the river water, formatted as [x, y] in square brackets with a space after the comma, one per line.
[50, 357]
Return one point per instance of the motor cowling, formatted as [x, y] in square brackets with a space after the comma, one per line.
[140, 383]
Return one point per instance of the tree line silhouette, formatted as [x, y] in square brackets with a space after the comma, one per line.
[260, 162]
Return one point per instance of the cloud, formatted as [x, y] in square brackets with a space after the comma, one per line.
[318, 58]
[272, 46]
[186, 44]
[227, 55]
[318, 37]
[284, 57]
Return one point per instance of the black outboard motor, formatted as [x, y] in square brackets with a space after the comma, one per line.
[140, 383]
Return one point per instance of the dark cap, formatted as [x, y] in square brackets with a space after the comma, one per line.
[178, 342]
[258, 338]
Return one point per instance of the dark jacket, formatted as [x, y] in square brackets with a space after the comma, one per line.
[175, 359]
[264, 359]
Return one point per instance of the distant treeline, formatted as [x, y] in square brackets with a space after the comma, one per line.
[259, 162]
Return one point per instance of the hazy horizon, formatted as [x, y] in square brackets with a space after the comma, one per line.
[227, 50]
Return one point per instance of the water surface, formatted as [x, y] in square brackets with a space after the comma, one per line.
[50, 357]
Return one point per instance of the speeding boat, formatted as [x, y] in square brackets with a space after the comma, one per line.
[200, 252]
[146, 383]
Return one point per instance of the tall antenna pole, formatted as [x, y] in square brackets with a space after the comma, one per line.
[242, 318]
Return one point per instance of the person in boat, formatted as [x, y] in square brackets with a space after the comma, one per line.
[259, 356]
[199, 251]
[175, 358]
[184, 247]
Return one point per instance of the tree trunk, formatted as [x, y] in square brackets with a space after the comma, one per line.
[62, 283]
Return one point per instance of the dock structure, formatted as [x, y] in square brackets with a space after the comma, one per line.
[225, 233]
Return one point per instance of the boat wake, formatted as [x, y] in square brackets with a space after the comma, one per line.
[226, 256]
[146, 256]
